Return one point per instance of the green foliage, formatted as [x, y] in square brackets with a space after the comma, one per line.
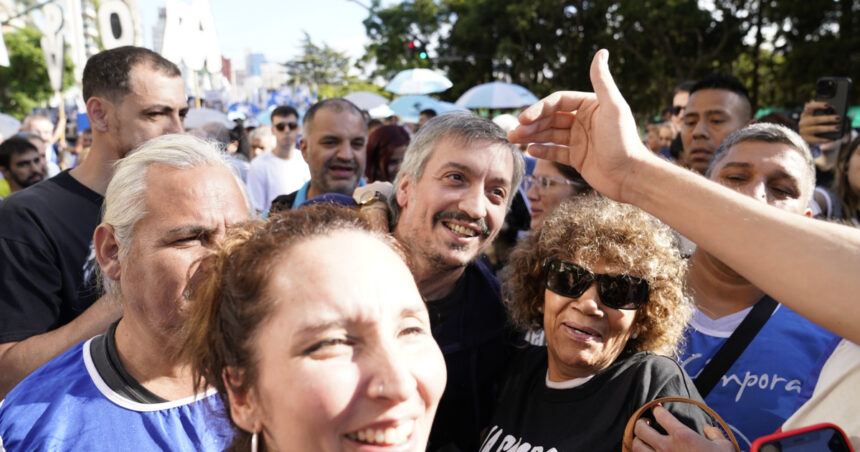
[318, 65]
[816, 39]
[391, 29]
[547, 45]
[25, 85]
[327, 70]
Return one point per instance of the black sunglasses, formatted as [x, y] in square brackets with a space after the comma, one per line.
[570, 280]
[677, 109]
[282, 125]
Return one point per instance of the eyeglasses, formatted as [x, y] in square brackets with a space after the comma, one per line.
[570, 280]
[678, 109]
[282, 125]
[544, 182]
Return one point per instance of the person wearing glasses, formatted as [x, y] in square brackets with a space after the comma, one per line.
[606, 284]
[680, 97]
[283, 170]
[786, 255]
[549, 185]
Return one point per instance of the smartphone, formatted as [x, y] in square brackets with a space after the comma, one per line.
[835, 91]
[819, 437]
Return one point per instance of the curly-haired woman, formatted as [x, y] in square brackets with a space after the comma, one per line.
[605, 283]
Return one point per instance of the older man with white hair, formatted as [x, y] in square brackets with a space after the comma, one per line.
[167, 206]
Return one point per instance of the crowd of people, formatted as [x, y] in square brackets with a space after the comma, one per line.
[331, 282]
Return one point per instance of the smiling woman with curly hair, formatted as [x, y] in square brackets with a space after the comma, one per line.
[605, 282]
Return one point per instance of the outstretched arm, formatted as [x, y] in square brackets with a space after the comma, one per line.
[786, 255]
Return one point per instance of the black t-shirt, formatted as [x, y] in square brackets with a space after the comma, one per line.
[589, 417]
[470, 327]
[46, 260]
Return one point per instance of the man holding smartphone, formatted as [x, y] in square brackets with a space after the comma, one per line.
[824, 126]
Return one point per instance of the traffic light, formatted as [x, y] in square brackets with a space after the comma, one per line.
[413, 46]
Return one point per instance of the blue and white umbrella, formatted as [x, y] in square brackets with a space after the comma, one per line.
[280, 97]
[247, 109]
[366, 100]
[496, 95]
[8, 126]
[409, 107]
[418, 81]
[381, 111]
[198, 117]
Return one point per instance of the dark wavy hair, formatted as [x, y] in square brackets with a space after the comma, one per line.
[380, 145]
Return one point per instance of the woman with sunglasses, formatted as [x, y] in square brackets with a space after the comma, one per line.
[604, 281]
[549, 185]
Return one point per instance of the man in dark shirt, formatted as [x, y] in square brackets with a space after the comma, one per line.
[47, 291]
[454, 187]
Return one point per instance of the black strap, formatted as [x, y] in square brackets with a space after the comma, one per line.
[734, 345]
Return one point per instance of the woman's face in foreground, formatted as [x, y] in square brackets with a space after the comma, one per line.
[347, 361]
[583, 335]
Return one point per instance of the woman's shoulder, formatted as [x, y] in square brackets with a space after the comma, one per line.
[648, 362]
[655, 372]
[526, 361]
[528, 356]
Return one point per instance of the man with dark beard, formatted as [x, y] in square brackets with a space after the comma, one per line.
[453, 189]
[20, 163]
[334, 147]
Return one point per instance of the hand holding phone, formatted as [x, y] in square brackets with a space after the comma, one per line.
[819, 437]
[811, 126]
[834, 92]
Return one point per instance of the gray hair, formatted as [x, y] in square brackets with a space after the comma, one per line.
[27, 135]
[768, 133]
[217, 133]
[466, 128]
[261, 132]
[125, 204]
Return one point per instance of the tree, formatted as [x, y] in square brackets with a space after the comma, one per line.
[391, 29]
[811, 40]
[778, 48]
[325, 69]
[318, 65]
[24, 85]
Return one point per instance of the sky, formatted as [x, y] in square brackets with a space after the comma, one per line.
[275, 27]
